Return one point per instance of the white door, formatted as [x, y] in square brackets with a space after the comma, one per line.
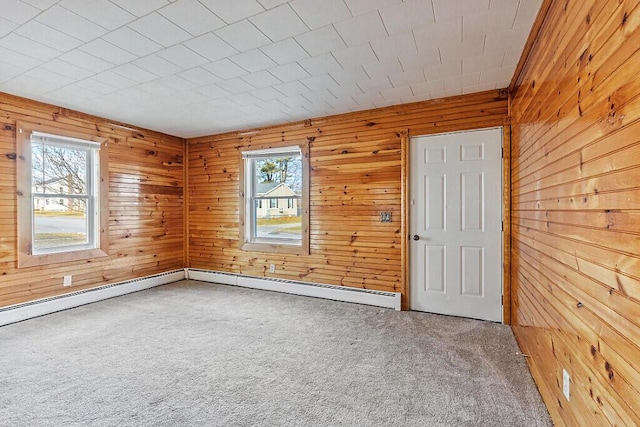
[456, 224]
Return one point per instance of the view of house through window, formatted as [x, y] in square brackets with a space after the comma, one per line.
[63, 193]
[275, 185]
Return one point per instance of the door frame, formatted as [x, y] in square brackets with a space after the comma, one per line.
[405, 139]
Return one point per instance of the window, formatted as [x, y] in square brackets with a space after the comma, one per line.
[279, 177]
[61, 196]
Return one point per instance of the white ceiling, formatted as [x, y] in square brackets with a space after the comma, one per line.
[200, 67]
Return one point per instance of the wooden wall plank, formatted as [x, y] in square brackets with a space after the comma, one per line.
[356, 172]
[146, 186]
[575, 191]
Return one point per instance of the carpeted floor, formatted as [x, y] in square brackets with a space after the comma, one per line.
[196, 354]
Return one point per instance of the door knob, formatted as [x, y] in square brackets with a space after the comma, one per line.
[416, 237]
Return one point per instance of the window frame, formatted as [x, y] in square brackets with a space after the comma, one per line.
[27, 257]
[245, 211]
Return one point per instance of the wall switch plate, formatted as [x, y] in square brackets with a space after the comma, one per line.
[566, 384]
[385, 216]
[67, 280]
[272, 268]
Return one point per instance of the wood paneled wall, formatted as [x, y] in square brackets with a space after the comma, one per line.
[356, 173]
[576, 211]
[146, 218]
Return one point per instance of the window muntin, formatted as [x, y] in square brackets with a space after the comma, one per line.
[275, 210]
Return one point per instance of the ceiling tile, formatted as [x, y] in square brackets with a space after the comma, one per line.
[236, 85]
[355, 55]
[446, 9]
[268, 4]
[426, 58]
[261, 79]
[374, 85]
[482, 62]
[160, 29]
[244, 99]
[322, 64]
[496, 74]
[442, 71]
[157, 65]
[110, 53]
[361, 29]
[368, 99]
[253, 60]
[7, 26]
[438, 35]
[9, 71]
[407, 78]
[67, 69]
[46, 35]
[71, 24]
[17, 11]
[349, 75]
[210, 46]
[95, 86]
[346, 89]
[233, 11]
[457, 50]
[140, 7]
[41, 4]
[243, 36]
[359, 7]
[317, 83]
[266, 94]
[225, 69]
[135, 73]
[176, 83]
[132, 41]
[396, 93]
[322, 40]
[72, 94]
[48, 76]
[101, 12]
[394, 46]
[84, 60]
[428, 87]
[192, 16]
[382, 69]
[279, 23]
[317, 14]
[182, 56]
[29, 47]
[114, 80]
[285, 51]
[289, 72]
[24, 85]
[485, 22]
[407, 15]
[199, 76]
[213, 91]
[527, 12]
[291, 88]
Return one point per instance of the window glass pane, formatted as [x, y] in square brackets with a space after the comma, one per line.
[58, 170]
[278, 179]
[59, 222]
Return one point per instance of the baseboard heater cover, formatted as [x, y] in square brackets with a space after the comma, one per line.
[337, 293]
[28, 310]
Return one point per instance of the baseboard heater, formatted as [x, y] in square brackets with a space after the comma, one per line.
[28, 310]
[337, 293]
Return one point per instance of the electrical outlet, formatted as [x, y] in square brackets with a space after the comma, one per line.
[566, 384]
[67, 281]
[272, 268]
[385, 216]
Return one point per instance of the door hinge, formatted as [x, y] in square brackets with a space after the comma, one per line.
[502, 155]
[502, 222]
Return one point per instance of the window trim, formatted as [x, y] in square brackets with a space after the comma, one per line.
[26, 258]
[244, 199]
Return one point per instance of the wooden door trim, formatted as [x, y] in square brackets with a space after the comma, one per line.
[404, 213]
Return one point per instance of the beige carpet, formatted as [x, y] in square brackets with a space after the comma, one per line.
[196, 354]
